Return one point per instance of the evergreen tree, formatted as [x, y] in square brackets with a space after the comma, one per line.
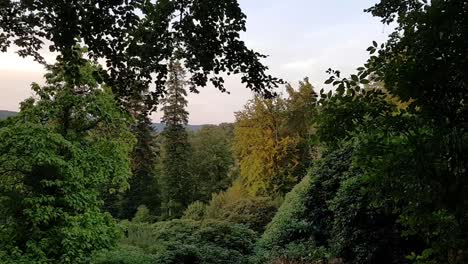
[176, 179]
[144, 187]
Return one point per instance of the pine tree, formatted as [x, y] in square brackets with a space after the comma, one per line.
[175, 179]
[144, 188]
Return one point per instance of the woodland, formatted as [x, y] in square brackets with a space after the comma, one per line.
[373, 170]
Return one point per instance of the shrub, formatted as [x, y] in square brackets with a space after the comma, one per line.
[195, 211]
[123, 255]
[142, 215]
[254, 213]
[236, 206]
[364, 232]
[185, 241]
[220, 200]
[289, 233]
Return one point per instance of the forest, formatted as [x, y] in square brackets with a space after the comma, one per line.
[373, 170]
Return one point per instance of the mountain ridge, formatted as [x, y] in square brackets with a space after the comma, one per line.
[158, 127]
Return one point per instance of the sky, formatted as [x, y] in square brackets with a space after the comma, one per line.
[303, 38]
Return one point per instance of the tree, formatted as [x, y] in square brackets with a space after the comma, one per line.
[423, 63]
[211, 161]
[414, 158]
[57, 156]
[266, 151]
[144, 186]
[136, 39]
[301, 115]
[273, 140]
[301, 108]
[176, 180]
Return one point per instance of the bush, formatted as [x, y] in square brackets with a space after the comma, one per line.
[123, 255]
[254, 213]
[364, 232]
[220, 200]
[236, 206]
[142, 215]
[301, 228]
[185, 241]
[289, 233]
[195, 211]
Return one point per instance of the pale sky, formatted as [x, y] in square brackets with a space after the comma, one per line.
[303, 38]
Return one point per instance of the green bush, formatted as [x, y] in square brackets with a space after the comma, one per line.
[123, 255]
[142, 215]
[195, 211]
[301, 228]
[236, 206]
[184, 241]
[289, 233]
[363, 232]
[254, 213]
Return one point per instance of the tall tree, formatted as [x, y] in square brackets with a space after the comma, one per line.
[273, 140]
[417, 158]
[301, 115]
[267, 152]
[57, 156]
[144, 185]
[211, 162]
[176, 179]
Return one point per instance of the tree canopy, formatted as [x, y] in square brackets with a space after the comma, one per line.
[137, 38]
[56, 157]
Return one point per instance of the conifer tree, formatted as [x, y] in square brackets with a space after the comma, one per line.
[144, 188]
[175, 179]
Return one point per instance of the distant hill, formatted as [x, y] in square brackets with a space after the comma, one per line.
[157, 126]
[5, 114]
[160, 127]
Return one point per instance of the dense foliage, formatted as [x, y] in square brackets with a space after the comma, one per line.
[144, 185]
[183, 241]
[211, 161]
[271, 140]
[374, 171]
[400, 197]
[56, 156]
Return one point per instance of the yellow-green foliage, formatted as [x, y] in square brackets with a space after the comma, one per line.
[224, 199]
[195, 211]
[267, 153]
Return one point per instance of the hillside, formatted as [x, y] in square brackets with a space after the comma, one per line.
[160, 127]
[5, 114]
